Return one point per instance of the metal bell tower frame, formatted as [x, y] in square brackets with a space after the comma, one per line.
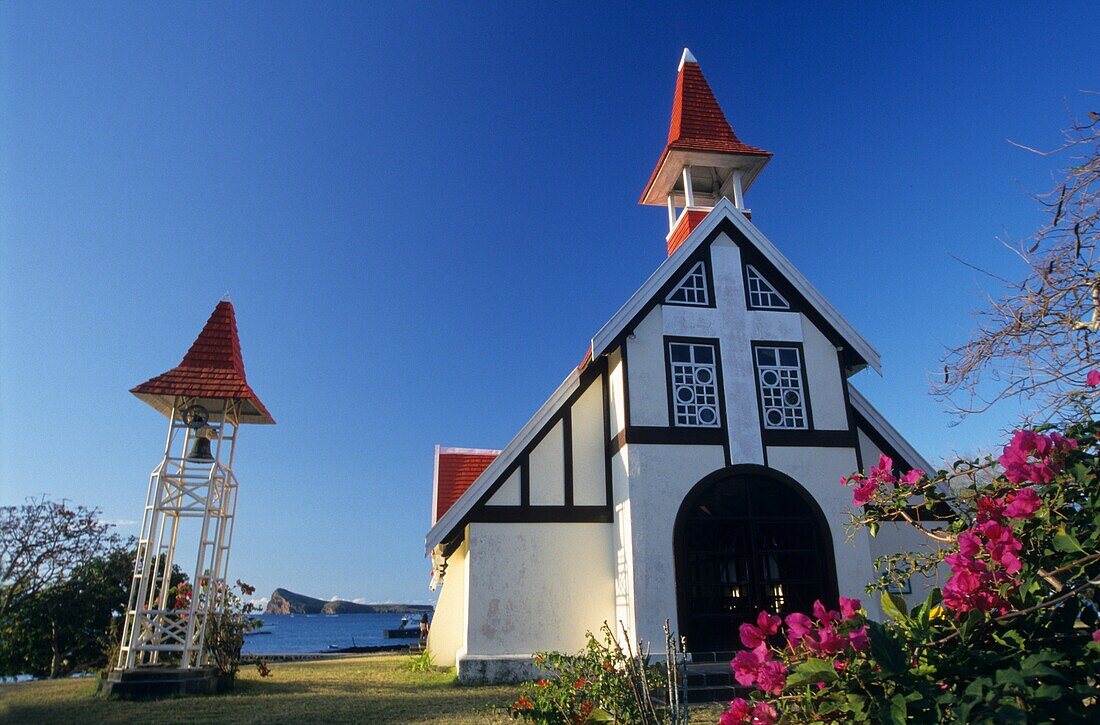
[192, 499]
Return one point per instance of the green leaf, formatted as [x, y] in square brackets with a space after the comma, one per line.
[1009, 677]
[886, 649]
[898, 709]
[1066, 542]
[1048, 693]
[872, 529]
[894, 607]
[811, 671]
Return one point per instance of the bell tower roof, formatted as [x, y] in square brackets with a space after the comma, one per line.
[212, 369]
[699, 136]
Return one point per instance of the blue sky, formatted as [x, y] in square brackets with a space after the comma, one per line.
[424, 212]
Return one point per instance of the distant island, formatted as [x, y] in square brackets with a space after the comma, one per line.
[283, 601]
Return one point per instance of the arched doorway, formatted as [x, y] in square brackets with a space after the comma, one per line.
[748, 538]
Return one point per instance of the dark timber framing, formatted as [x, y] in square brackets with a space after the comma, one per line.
[668, 341]
[749, 255]
[526, 512]
[702, 254]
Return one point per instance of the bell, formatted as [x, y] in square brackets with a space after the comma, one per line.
[200, 450]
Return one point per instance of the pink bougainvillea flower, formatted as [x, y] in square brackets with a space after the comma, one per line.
[1024, 504]
[798, 625]
[825, 641]
[864, 492]
[745, 665]
[771, 677]
[990, 509]
[741, 707]
[858, 639]
[824, 614]
[768, 623]
[739, 712]
[912, 478]
[1096, 636]
[1034, 457]
[751, 636]
[764, 714]
[882, 472]
[1093, 378]
[755, 635]
[849, 607]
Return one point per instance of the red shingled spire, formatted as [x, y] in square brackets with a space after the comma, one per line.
[698, 125]
[212, 369]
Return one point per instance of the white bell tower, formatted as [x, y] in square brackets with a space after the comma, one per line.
[190, 506]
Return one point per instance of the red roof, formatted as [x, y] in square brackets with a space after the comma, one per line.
[698, 123]
[212, 369]
[688, 221]
[456, 469]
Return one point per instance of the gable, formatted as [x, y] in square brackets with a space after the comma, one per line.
[555, 463]
[765, 257]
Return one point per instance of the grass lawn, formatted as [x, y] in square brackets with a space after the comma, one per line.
[375, 689]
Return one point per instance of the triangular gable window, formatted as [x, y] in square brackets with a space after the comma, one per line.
[762, 295]
[692, 289]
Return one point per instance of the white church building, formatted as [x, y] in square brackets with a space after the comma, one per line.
[689, 469]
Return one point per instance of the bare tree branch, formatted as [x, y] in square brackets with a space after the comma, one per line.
[1036, 341]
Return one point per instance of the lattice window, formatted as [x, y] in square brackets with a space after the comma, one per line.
[694, 385]
[781, 390]
[692, 289]
[761, 293]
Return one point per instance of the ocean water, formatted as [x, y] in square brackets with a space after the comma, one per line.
[296, 633]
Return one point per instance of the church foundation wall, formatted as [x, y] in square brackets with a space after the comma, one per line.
[537, 586]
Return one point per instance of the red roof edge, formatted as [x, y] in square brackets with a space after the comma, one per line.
[455, 470]
[690, 219]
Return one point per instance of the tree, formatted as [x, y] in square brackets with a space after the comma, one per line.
[1037, 341]
[42, 542]
[64, 628]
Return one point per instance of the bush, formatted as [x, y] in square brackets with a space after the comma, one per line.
[1011, 636]
[607, 681]
[225, 633]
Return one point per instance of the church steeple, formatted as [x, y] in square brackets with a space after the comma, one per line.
[704, 160]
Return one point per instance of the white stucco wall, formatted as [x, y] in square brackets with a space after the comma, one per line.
[616, 391]
[538, 586]
[660, 476]
[896, 537]
[547, 469]
[447, 636]
[819, 471]
[508, 494]
[589, 476]
[645, 369]
[622, 540]
[823, 379]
